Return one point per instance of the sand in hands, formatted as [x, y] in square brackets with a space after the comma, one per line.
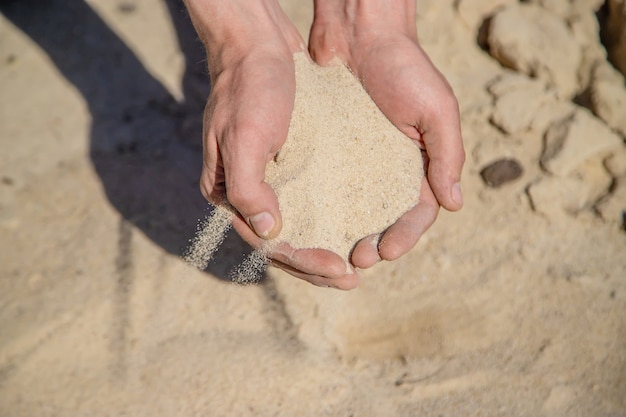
[344, 173]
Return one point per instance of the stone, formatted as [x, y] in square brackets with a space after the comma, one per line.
[608, 97]
[501, 172]
[595, 178]
[613, 207]
[473, 12]
[530, 40]
[560, 8]
[592, 5]
[580, 190]
[517, 100]
[551, 195]
[616, 163]
[615, 33]
[573, 141]
[550, 112]
[586, 29]
[567, 8]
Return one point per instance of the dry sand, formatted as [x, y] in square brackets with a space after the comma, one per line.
[345, 171]
[515, 306]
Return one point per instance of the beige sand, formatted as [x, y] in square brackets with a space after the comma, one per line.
[345, 171]
[514, 306]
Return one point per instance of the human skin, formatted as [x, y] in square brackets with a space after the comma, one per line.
[250, 47]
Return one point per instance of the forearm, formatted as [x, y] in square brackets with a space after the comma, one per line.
[235, 28]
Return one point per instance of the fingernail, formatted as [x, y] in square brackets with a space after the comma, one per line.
[262, 223]
[457, 195]
[374, 242]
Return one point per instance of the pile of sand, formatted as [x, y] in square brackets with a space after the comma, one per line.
[345, 171]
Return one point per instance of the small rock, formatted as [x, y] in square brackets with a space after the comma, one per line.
[595, 179]
[531, 40]
[570, 143]
[550, 112]
[126, 7]
[586, 29]
[516, 102]
[616, 163]
[560, 8]
[501, 172]
[473, 12]
[592, 5]
[608, 97]
[613, 207]
[552, 195]
[615, 33]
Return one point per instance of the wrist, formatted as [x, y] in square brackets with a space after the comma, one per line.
[231, 30]
[342, 27]
[398, 13]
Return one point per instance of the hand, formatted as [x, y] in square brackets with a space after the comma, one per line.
[250, 48]
[377, 39]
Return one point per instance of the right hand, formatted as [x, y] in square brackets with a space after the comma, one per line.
[250, 49]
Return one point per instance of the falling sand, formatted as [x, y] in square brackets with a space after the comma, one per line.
[344, 173]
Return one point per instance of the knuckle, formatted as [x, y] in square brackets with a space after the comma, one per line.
[211, 187]
[236, 195]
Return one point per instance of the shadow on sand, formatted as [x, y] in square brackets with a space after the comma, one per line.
[144, 145]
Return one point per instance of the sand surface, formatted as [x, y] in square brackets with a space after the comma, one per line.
[515, 306]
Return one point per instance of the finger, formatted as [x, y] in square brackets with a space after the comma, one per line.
[249, 194]
[312, 261]
[212, 183]
[254, 138]
[320, 267]
[406, 231]
[444, 144]
[345, 282]
[365, 253]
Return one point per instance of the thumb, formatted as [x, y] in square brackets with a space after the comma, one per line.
[444, 146]
[246, 189]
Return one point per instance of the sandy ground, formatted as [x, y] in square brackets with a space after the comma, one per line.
[516, 306]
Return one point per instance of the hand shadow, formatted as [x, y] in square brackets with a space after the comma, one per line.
[145, 146]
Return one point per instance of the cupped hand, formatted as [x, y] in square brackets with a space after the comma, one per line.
[416, 98]
[246, 122]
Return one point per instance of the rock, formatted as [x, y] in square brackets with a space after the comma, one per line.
[580, 17]
[473, 12]
[550, 112]
[608, 97]
[580, 190]
[531, 40]
[592, 5]
[613, 207]
[565, 8]
[596, 180]
[512, 81]
[501, 172]
[552, 195]
[616, 163]
[570, 143]
[586, 29]
[560, 8]
[517, 100]
[615, 33]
